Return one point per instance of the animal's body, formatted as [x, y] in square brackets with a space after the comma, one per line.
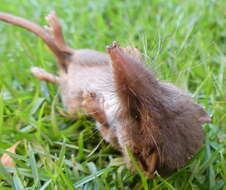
[159, 123]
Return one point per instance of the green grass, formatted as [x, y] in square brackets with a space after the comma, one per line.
[183, 41]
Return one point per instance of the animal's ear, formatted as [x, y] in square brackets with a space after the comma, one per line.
[202, 115]
[132, 79]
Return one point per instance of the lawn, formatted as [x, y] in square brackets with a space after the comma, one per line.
[184, 42]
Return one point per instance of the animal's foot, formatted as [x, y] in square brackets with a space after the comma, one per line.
[91, 103]
[44, 75]
[56, 32]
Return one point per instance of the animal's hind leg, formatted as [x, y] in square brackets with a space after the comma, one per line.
[56, 32]
[44, 75]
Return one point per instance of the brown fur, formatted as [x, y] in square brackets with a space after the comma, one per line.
[172, 128]
[158, 122]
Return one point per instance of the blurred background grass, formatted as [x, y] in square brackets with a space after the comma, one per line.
[183, 42]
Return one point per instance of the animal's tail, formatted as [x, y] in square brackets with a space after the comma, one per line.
[51, 36]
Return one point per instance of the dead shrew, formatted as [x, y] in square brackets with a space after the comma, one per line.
[159, 123]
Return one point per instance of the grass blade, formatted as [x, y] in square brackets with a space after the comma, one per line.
[89, 178]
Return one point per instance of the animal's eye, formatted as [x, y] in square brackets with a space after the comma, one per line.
[93, 94]
[136, 116]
